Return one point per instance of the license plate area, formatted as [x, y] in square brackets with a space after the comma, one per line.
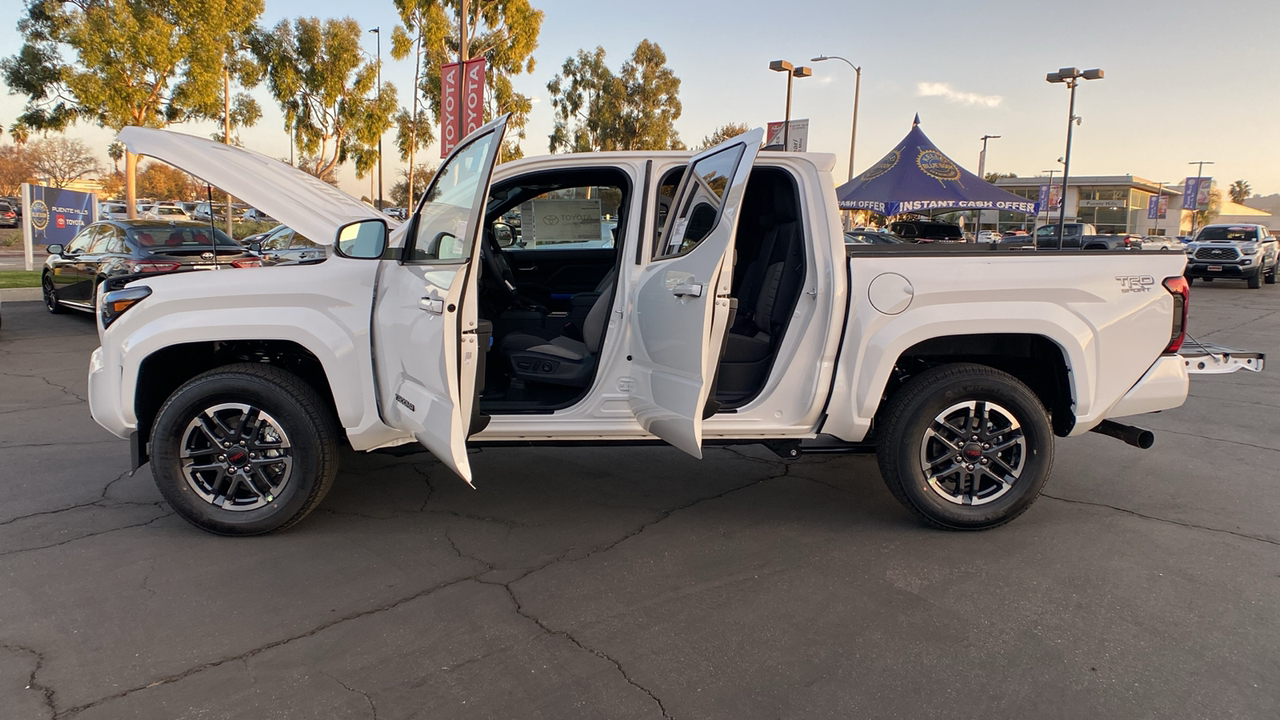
[1215, 268]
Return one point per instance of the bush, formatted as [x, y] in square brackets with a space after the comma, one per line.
[243, 230]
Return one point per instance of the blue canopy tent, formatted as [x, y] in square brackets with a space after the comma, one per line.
[916, 177]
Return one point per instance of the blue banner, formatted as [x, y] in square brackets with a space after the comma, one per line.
[1195, 193]
[1157, 207]
[55, 215]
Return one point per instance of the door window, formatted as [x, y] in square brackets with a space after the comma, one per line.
[109, 240]
[299, 241]
[278, 240]
[444, 232]
[81, 242]
[700, 202]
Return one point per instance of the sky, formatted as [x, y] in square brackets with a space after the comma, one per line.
[1184, 81]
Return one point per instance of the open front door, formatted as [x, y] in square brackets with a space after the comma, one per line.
[425, 326]
[682, 303]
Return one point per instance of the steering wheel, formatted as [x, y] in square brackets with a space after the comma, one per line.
[495, 263]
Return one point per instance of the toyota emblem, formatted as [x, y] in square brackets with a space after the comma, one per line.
[206, 256]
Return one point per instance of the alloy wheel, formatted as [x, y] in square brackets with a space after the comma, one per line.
[973, 452]
[236, 457]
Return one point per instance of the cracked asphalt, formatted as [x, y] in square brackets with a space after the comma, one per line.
[640, 583]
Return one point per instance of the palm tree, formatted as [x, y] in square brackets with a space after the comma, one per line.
[116, 151]
[1239, 191]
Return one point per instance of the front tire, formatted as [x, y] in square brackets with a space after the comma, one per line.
[966, 447]
[1255, 280]
[244, 450]
[50, 294]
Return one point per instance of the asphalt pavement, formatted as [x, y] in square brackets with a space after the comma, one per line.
[640, 583]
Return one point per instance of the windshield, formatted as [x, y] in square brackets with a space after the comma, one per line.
[162, 239]
[1235, 234]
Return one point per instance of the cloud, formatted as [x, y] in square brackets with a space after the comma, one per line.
[943, 90]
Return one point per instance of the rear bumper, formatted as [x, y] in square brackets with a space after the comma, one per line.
[1164, 386]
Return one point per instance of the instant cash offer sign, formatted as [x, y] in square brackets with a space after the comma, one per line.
[53, 216]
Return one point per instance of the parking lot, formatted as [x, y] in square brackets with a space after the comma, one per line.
[640, 583]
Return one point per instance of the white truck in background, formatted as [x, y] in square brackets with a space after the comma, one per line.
[726, 311]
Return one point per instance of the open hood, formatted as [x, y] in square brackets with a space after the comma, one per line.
[305, 203]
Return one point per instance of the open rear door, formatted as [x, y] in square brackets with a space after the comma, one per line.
[426, 333]
[682, 302]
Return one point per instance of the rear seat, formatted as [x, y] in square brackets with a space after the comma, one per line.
[766, 298]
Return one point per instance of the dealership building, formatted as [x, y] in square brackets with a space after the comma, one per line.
[1115, 204]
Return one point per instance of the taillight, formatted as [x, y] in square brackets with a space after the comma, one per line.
[246, 262]
[1181, 292]
[150, 266]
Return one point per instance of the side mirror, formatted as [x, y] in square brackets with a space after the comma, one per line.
[255, 246]
[504, 234]
[55, 249]
[362, 240]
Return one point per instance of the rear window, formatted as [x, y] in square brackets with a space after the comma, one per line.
[1241, 233]
[162, 239]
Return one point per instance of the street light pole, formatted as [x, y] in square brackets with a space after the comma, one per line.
[792, 72]
[857, 92]
[1072, 77]
[378, 32]
[1159, 192]
[982, 173]
[1195, 205]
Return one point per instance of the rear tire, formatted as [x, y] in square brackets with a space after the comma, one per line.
[50, 294]
[966, 447]
[244, 450]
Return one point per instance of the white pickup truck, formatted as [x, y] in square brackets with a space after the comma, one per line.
[725, 310]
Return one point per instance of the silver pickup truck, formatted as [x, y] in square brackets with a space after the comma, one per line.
[1239, 252]
[726, 310]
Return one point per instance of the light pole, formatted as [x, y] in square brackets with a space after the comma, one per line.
[792, 72]
[1195, 204]
[857, 91]
[378, 31]
[982, 173]
[1072, 77]
[1159, 193]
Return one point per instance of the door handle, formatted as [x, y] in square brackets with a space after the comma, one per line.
[687, 290]
[531, 268]
[433, 305]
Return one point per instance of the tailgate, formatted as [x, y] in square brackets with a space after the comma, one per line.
[1213, 359]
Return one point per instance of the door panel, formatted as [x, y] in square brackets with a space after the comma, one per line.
[425, 316]
[682, 304]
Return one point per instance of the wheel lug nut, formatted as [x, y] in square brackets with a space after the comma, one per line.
[986, 446]
[253, 456]
[222, 458]
[968, 467]
[226, 444]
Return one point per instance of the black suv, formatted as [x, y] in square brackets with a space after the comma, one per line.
[112, 248]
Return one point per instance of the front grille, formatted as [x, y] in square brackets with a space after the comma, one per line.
[1217, 253]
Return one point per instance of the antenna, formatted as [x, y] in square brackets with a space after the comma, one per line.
[213, 237]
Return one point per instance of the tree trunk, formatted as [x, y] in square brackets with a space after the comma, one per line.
[130, 183]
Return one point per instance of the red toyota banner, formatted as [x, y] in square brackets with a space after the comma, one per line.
[473, 96]
[449, 100]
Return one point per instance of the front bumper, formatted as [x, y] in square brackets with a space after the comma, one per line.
[1239, 269]
[104, 396]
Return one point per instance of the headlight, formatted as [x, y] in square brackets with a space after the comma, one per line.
[116, 302]
[1250, 249]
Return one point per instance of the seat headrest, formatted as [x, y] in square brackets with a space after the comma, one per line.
[145, 239]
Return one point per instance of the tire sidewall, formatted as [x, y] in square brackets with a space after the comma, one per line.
[202, 393]
[916, 419]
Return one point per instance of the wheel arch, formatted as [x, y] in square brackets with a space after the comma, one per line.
[166, 369]
[1035, 360]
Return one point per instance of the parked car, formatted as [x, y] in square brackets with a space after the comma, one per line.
[989, 236]
[927, 231]
[113, 211]
[398, 213]
[15, 203]
[282, 246]
[1083, 236]
[256, 215]
[1243, 252]
[958, 370]
[870, 237]
[165, 212]
[8, 216]
[111, 248]
[1161, 242]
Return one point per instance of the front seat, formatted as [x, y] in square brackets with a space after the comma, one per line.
[561, 360]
